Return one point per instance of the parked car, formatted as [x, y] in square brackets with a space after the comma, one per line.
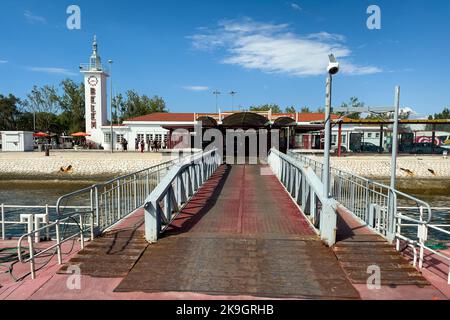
[427, 148]
[370, 147]
[334, 149]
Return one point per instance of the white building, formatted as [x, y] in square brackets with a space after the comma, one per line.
[17, 141]
[95, 78]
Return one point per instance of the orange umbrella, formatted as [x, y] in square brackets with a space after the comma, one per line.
[80, 134]
[40, 135]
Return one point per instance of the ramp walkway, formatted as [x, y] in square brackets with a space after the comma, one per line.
[241, 234]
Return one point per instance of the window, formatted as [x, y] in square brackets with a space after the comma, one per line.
[119, 138]
[107, 137]
[148, 137]
[140, 137]
[158, 137]
[369, 135]
[377, 135]
[334, 139]
[344, 139]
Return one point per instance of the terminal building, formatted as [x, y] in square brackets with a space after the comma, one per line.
[297, 130]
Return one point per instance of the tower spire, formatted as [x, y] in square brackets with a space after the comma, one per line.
[95, 61]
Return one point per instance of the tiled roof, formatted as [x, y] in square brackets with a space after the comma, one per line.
[165, 117]
[189, 117]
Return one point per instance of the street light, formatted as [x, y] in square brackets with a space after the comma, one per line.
[333, 68]
[110, 104]
[217, 93]
[233, 93]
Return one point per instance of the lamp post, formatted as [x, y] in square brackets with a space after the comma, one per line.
[232, 93]
[110, 104]
[333, 68]
[217, 93]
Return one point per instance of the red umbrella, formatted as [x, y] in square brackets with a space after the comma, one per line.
[40, 135]
[80, 134]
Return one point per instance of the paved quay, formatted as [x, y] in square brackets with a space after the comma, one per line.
[84, 165]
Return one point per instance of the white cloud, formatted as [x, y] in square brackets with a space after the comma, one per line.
[296, 7]
[196, 88]
[32, 18]
[3, 61]
[51, 70]
[273, 48]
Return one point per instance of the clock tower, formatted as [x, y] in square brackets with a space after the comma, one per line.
[95, 77]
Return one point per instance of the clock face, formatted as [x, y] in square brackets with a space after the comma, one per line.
[93, 81]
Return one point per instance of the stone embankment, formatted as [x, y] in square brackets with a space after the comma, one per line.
[431, 172]
[73, 165]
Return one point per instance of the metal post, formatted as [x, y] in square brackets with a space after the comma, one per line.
[326, 160]
[81, 232]
[31, 249]
[58, 242]
[381, 138]
[340, 139]
[395, 139]
[110, 104]
[3, 221]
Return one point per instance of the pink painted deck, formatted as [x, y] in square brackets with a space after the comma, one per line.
[236, 207]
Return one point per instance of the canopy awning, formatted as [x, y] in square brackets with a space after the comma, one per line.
[41, 135]
[80, 134]
[245, 120]
[284, 122]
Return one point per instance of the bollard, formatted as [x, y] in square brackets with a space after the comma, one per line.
[47, 151]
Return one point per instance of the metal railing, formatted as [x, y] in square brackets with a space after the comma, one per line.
[12, 224]
[306, 189]
[113, 200]
[76, 222]
[175, 190]
[109, 203]
[395, 215]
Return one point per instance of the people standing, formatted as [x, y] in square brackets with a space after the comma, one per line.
[142, 146]
[124, 144]
[136, 144]
[148, 144]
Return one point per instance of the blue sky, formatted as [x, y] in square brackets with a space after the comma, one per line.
[267, 51]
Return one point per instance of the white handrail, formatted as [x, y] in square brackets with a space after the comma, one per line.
[305, 187]
[175, 190]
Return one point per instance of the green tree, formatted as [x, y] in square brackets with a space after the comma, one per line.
[44, 103]
[25, 122]
[72, 103]
[353, 103]
[266, 107]
[290, 110]
[136, 105]
[305, 110]
[119, 108]
[444, 115]
[9, 112]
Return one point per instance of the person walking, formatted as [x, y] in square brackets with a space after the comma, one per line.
[142, 146]
[136, 144]
[125, 144]
[148, 145]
